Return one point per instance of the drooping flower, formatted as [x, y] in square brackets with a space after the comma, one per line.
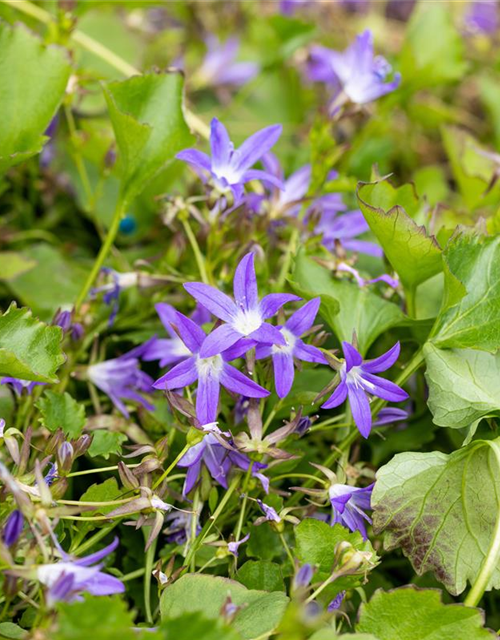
[283, 355]
[357, 382]
[269, 512]
[112, 289]
[121, 379]
[219, 66]
[483, 17]
[210, 372]
[179, 526]
[344, 229]
[389, 415]
[64, 319]
[336, 602]
[230, 169]
[20, 385]
[349, 505]
[171, 350]
[69, 577]
[219, 461]
[245, 316]
[356, 74]
[363, 282]
[13, 528]
[233, 547]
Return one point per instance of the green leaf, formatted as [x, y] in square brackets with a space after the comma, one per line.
[29, 349]
[95, 617]
[413, 254]
[316, 542]
[260, 614]
[34, 79]
[106, 443]
[360, 310]
[442, 510]
[14, 264]
[54, 281]
[471, 308]
[433, 49]
[418, 614]
[194, 625]
[463, 385]
[146, 114]
[61, 411]
[103, 492]
[472, 170]
[12, 631]
[262, 575]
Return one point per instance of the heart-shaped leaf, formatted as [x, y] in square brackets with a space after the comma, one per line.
[146, 114]
[34, 78]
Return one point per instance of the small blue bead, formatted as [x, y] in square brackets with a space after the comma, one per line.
[128, 225]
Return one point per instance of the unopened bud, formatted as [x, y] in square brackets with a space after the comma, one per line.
[13, 528]
[65, 457]
[127, 478]
[349, 559]
[82, 444]
[59, 488]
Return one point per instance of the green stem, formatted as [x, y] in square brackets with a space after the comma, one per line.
[133, 575]
[211, 521]
[200, 260]
[323, 586]
[98, 49]
[89, 471]
[287, 548]
[239, 526]
[166, 473]
[148, 570]
[194, 521]
[492, 557]
[88, 544]
[290, 251]
[102, 255]
[410, 294]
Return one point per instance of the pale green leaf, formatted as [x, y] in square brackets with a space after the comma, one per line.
[470, 314]
[441, 510]
[260, 612]
[14, 264]
[463, 385]
[29, 349]
[106, 443]
[413, 254]
[419, 614]
[360, 310]
[61, 411]
[146, 114]
[33, 81]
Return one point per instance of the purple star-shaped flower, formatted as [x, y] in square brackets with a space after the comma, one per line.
[70, 577]
[219, 461]
[349, 505]
[283, 355]
[210, 372]
[219, 66]
[233, 547]
[121, 379]
[230, 168]
[483, 17]
[357, 382]
[171, 350]
[245, 315]
[356, 73]
[19, 385]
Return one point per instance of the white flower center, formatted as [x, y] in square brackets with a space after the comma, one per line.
[209, 366]
[246, 322]
[355, 378]
[290, 342]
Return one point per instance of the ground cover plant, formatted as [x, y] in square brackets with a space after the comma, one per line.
[250, 320]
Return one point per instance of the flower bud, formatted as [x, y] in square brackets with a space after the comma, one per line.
[13, 528]
[65, 457]
[59, 488]
[303, 576]
[82, 444]
[127, 478]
